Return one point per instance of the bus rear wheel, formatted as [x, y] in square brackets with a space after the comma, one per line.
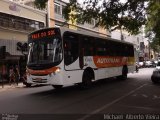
[124, 74]
[57, 86]
[87, 80]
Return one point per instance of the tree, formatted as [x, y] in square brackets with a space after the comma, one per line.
[154, 44]
[152, 25]
[111, 14]
[40, 4]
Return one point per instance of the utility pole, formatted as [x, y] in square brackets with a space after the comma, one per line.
[149, 50]
[122, 38]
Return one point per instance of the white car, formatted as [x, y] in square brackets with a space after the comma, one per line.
[148, 63]
[158, 65]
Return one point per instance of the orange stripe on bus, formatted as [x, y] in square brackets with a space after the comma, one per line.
[106, 61]
[42, 72]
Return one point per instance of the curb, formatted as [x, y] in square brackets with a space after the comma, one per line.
[7, 86]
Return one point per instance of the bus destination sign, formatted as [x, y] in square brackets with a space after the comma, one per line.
[42, 34]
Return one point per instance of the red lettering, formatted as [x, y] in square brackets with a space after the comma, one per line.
[35, 36]
[43, 34]
[38, 35]
[32, 36]
[51, 32]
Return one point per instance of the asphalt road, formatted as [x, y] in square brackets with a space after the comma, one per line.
[107, 99]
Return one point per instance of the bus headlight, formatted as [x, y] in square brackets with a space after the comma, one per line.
[57, 71]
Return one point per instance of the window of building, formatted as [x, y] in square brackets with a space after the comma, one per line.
[19, 23]
[63, 11]
[57, 8]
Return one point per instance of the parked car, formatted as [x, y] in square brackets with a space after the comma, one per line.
[154, 63]
[156, 74]
[148, 64]
[158, 65]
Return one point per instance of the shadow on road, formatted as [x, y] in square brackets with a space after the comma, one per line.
[77, 89]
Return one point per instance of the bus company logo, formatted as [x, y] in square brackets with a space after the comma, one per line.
[14, 7]
[88, 59]
[124, 59]
[108, 60]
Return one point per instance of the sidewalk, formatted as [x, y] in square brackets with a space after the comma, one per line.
[7, 86]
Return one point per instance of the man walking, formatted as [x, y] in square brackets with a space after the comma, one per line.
[17, 74]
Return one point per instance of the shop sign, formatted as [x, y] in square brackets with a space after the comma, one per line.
[14, 7]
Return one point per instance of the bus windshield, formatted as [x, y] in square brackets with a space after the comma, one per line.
[45, 51]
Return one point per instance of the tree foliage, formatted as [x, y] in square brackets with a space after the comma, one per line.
[40, 4]
[153, 24]
[109, 14]
[155, 45]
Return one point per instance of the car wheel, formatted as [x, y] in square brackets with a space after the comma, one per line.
[154, 80]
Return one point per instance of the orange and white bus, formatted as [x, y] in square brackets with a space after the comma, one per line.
[60, 56]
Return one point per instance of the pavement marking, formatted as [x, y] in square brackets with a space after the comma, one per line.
[156, 97]
[144, 95]
[111, 103]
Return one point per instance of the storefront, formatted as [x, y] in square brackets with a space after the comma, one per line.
[16, 22]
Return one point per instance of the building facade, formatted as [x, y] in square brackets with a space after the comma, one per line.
[137, 40]
[56, 18]
[16, 22]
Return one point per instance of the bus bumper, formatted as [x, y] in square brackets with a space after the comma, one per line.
[50, 79]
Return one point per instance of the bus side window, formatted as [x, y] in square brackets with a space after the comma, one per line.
[88, 45]
[70, 48]
[110, 48]
[100, 47]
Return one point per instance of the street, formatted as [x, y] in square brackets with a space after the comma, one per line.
[136, 95]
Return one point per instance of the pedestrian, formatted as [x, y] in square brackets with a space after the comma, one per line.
[3, 74]
[11, 75]
[137, 68]
[17, 74]
[1, 78]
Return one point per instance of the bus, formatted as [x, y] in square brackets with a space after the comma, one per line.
[61, 56]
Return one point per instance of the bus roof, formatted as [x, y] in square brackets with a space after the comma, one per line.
[64, 29]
